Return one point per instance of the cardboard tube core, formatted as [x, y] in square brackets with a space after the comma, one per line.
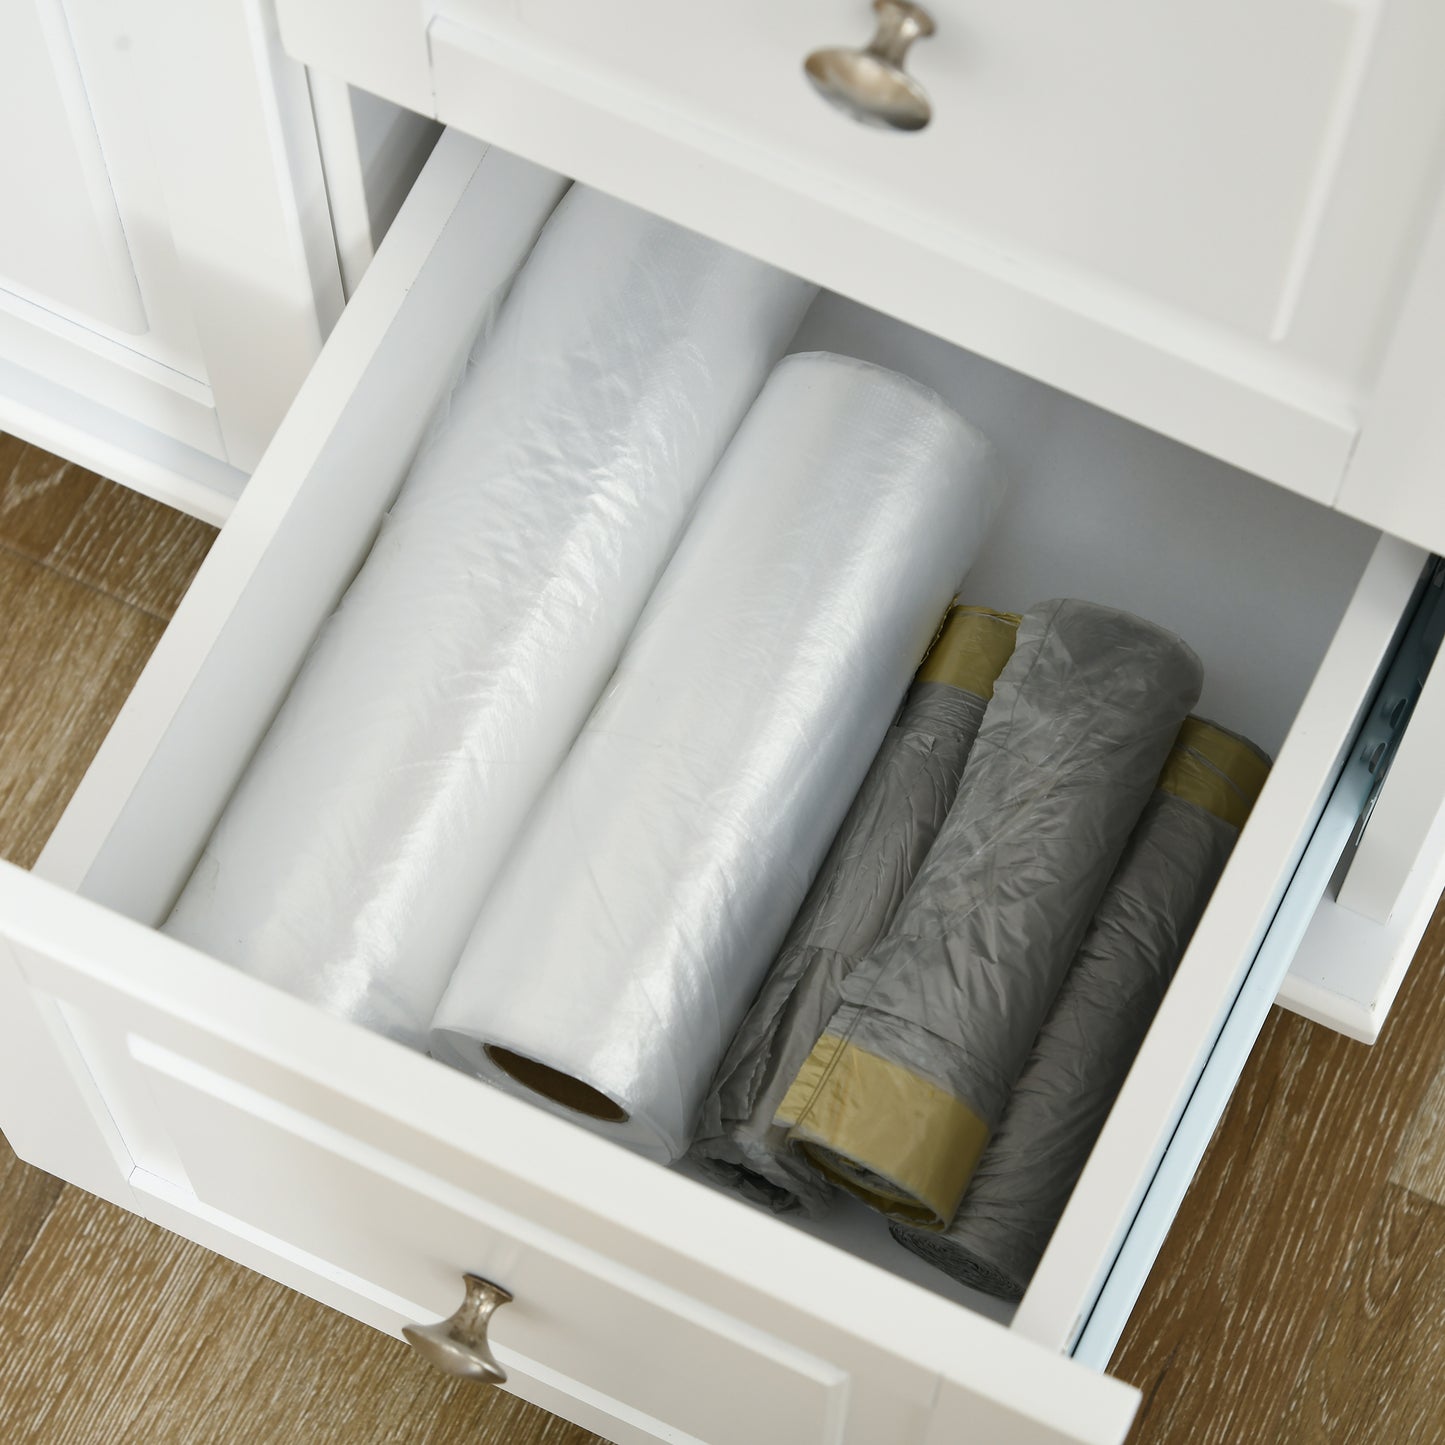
[560, 1088]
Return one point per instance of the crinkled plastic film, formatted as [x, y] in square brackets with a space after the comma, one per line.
[662, 868]
[351, 862]
[883, 841]
[1104, 1008]
[1072, 743]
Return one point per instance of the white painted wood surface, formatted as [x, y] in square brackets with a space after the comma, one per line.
[116, 446]
[371, 153]
[63, 239]
[1151, 148]
[178, 1210]
[345, 174]
[1396, 478]
[202, 310]
[168, 264]
[1349, 968]
[53, 351]
[50, 1109]
[604, 1327]
[1201, 222]
[655, 1235]
[109, 48]
[245, 201]
[392, 145]
[149, 370]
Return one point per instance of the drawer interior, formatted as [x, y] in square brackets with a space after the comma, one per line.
[1255, 578]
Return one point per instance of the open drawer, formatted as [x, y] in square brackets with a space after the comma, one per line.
[649, 1305]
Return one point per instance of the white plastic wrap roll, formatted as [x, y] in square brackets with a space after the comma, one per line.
[351, 861]
[652, 886]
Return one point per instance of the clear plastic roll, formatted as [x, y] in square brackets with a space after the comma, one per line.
[1104, 1008]
[900, 1095]
[352, 859]
[659, 874]
[883, 841]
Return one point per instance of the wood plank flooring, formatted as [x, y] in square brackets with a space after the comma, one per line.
[1300, 1297]
[1279, 1293]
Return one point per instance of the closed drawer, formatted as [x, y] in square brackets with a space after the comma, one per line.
[372, 1177]
[1200, 217]
[578, 1313]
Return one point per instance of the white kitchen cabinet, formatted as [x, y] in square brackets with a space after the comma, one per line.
[70, 246]
[168, 254]
[1188, 329]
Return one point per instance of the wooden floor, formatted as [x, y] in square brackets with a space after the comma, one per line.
[1300, 1297]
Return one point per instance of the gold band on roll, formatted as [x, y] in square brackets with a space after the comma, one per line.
[971, 649]
[1216, 769]
[897, 1141]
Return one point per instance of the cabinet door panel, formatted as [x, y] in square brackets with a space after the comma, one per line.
[62, 239]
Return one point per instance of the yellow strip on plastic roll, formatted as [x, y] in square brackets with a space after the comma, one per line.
[897, 1141]
[971, 649]
[1216, 769]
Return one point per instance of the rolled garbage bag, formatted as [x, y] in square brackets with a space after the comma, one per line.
[899, 1096]
[1103, 1010]
[353, 857]
[884, 839]
[661, 870]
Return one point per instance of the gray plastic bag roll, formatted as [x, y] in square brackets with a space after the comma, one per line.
[885, 837]
[354, 855]
[899, 1096]
[659, 874]
[1103, 1010]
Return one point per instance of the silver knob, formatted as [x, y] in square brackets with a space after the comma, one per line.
[871, 84]
[458, 1346]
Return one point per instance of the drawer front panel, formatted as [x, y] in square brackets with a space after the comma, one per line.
[608, 1329]
[1199, 218]
[257, 1107]
[1190, 183]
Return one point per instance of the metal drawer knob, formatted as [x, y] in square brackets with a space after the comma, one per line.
[871, 84]
[458, 1346]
